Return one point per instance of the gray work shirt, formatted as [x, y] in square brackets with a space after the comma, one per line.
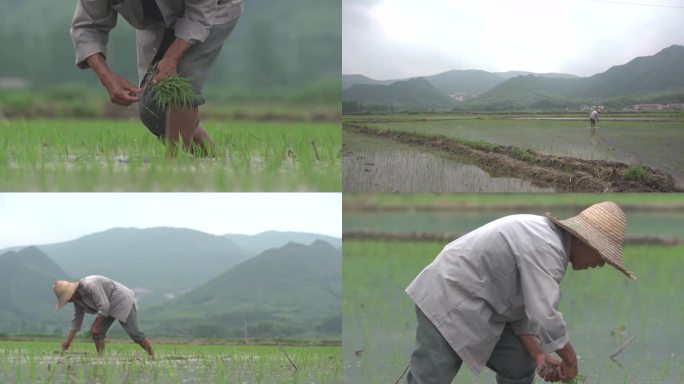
[102, 296]
[190, 19]
[507, 271]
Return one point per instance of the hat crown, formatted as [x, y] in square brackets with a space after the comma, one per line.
[60, 286]
[608, 219]
[64, 290]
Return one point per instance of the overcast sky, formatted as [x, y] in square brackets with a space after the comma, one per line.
[41, 218]
[389, 39]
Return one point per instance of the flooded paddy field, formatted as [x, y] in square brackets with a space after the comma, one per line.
[372, 164]
[602, 308]
[41, 361]
[647, 142]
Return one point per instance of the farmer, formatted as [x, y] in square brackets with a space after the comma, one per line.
[172, 37]
[491, 296]
[593, 118]
[108, 299]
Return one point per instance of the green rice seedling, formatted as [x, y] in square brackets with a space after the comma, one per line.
[120, 155]
[579, 379]
[175, 91]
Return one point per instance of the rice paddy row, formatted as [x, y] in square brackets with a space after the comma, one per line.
[102, 155]
[40, 361]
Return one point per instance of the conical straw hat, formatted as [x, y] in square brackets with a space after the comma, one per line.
[64, 290]
[602, 227]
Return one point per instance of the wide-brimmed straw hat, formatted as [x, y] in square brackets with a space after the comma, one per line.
[64, 290]
[602, 227]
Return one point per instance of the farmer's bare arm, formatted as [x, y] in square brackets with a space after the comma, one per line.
[97, 324]
[547, 366]
[568, 368]
[121, 91]
[67, 342]
[167, 65]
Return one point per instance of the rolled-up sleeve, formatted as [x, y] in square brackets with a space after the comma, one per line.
[77, 321]
[540, 273]
[196, 21]
[93, 19]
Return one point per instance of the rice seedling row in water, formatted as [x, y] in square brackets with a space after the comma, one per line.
[52, 155]
[39, 361]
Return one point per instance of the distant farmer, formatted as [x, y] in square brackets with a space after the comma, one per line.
[173, 37]
[108, 299]
[593, 118]
[491, 296]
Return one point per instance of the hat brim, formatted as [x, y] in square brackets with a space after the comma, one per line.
[590, 244]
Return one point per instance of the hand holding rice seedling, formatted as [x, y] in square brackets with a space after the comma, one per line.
[175, 91]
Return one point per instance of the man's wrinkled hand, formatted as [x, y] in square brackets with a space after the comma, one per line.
[568, 371]
[548, 367]
[121, 91]
[165, 68]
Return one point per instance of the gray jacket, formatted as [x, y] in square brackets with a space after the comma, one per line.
[102, 296]
[507, 271]
[190, 19]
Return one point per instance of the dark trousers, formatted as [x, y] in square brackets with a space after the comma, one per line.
[433, 361]
[130, 326]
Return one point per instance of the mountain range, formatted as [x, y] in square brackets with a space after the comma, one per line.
[157, 263]
[657, 78]
[288, 290]
[26, 299]
[275, 239]
[294, 290]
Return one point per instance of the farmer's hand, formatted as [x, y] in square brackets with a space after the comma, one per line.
[66, 344]
[548, 367]
[166, 67]
[568, 368]
[568, 371]
[121, 91]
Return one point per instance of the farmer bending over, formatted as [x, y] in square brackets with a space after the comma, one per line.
[172, 37]
[593, 118]
[491, 296]
[108, 299]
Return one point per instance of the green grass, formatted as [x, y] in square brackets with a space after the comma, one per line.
[636, 173]
[379, 318]
[102, 155]
[36, 361]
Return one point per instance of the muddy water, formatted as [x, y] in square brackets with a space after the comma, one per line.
[653, 142]
[372, 164]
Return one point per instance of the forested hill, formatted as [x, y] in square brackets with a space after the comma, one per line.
[291, 291]
[276, 45]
